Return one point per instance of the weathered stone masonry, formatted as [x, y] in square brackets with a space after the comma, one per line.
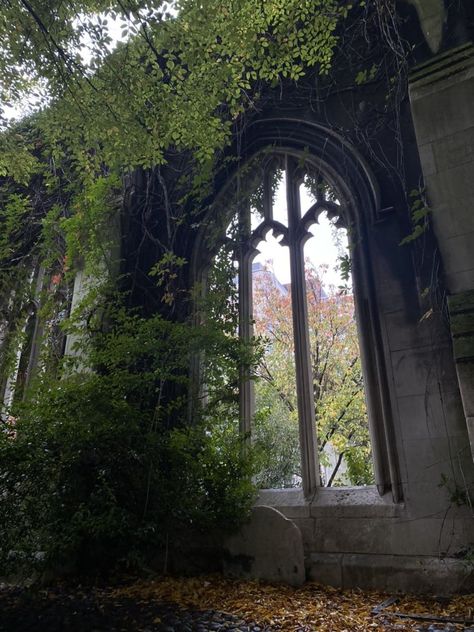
[414, 530]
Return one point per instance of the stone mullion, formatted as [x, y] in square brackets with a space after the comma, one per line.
[304, 377]
[267, 196]
[246, 255]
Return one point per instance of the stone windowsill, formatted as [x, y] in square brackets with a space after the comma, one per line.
[343, 502]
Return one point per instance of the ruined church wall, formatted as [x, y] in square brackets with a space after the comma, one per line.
[354, 536]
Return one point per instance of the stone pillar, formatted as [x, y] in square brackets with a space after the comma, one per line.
[3, 341]
[91, 277]
[9, 392]
[442, 102]
[25, 335]
[35, 351]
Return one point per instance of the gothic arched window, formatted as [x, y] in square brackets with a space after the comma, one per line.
[339, 187]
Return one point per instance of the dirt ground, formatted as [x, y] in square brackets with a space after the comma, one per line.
[216, 604]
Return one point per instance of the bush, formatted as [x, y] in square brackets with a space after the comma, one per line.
[95, 474]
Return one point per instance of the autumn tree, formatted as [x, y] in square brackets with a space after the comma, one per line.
[341, 416]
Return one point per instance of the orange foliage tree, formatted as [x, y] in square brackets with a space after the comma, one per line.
[341, 416]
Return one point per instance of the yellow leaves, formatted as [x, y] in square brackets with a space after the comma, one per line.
[311, 607]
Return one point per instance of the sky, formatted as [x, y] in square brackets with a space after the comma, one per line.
[31, 103]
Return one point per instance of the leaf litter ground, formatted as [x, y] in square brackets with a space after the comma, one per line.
[213, 603]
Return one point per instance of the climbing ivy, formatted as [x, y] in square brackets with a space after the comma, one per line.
[178, 79]
[420, 212]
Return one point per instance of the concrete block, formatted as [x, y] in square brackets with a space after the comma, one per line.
[463, 347]
[449, 535]
[403, 334]
[424, 497]
[392, 275]
[462, 324]
[325, 568]
[460, 280]
[354, 535]
[428, 458]
[444, 531]
[307, 528]
[448, 112]
[415, 371]
[461, 303]
[291, 502]
[390, 293]
[455, 149]
[415, 574]
[438, 498]
[411, 371]
[269, 547]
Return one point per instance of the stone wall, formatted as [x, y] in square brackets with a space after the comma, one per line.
[442, 96]
[422, 538]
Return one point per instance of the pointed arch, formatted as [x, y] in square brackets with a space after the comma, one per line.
[342, 166]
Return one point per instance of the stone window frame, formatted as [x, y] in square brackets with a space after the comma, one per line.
[344, 169]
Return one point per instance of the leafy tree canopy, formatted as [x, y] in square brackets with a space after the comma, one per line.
[112, 86]
[181, 74]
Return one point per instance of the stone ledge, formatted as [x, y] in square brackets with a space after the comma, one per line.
[348, 502]
[441, 71]
[291, 502]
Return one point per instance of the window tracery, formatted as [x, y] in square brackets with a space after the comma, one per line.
[346, 191]
[258, 217]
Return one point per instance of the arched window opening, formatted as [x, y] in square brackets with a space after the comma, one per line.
[21, 347]
[24, 353]
[269, 412]
[318, 402]
[340, 416]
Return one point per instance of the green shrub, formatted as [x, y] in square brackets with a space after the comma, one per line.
[100, 468]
